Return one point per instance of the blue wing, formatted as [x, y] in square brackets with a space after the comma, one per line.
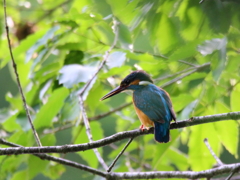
[156, 104]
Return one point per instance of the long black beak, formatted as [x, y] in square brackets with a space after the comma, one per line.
[114, 92]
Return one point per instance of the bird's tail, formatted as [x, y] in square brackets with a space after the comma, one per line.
[161, 132]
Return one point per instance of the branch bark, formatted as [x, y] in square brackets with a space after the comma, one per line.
[18, 79]
[117, 137]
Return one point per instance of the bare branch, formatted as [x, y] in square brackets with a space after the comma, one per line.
[230, 175]
[142, 175]
[84, 114]
[118, 136]
[219, 162]
[177, 174]
[118, 156]
[94, 118]
[172, 75]
[50, 11]
[17, 78]
[89, 134]
[186, 74]
[128, 155]
[60, 160]
[185, 62]
[236, 177]
[104, 58]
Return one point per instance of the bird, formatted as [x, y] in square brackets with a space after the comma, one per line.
[152, 104]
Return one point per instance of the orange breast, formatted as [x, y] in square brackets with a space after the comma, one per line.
[143, 118]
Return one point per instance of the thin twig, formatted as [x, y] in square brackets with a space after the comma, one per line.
[201, 1]
[81, 101]
[219, 162]
[118, 47]
[186, 74]
[60, 160]
[127, 154]
[51, 131]
[104, 58]
[118, 156]
[110, 112]
[141, 175]
[172, 75]
[94, 118]
[188, 63]
[236, 177]
[48, 12]
[17, 78]
[230, 175]
[155, 55]
[89, 134]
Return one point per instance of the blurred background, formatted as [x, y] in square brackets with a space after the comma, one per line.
[191, 49]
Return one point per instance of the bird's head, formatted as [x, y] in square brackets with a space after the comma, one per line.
[139, 77]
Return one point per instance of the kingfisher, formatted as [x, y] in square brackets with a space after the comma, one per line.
[152, 104]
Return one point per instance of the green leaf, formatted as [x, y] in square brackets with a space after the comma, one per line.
[97, 133]
[49, 110]
[181, 101]
[74, 74]
[41, 42]
[54, 170]
[74, 57]
[116, 59]
[188, 110]
[167, 35]
[185, 51]
[199, 156]
[235, 96]
[19, 174]
[179, 158]
[16, 102]
[71, 109]
[229, 137]
[10, 123]
[209, 46]
[161, 149]
[124, 36]
[48, 140]
[23, 121]
[36, 166]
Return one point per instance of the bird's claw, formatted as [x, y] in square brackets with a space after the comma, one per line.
[142, 127]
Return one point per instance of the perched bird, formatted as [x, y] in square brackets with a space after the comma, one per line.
[152, 104]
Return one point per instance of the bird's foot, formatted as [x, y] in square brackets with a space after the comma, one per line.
[142, 127]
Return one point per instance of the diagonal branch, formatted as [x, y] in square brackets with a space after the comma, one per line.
[118, 156]
[81, 101]
[60, 160]
[198, 68]
[175, 74]
[88, 131]
[219, 162]
[104, 58]
[143, 175]
[118, 136]
[18, 80]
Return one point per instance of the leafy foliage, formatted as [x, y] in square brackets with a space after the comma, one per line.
[168, 39]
